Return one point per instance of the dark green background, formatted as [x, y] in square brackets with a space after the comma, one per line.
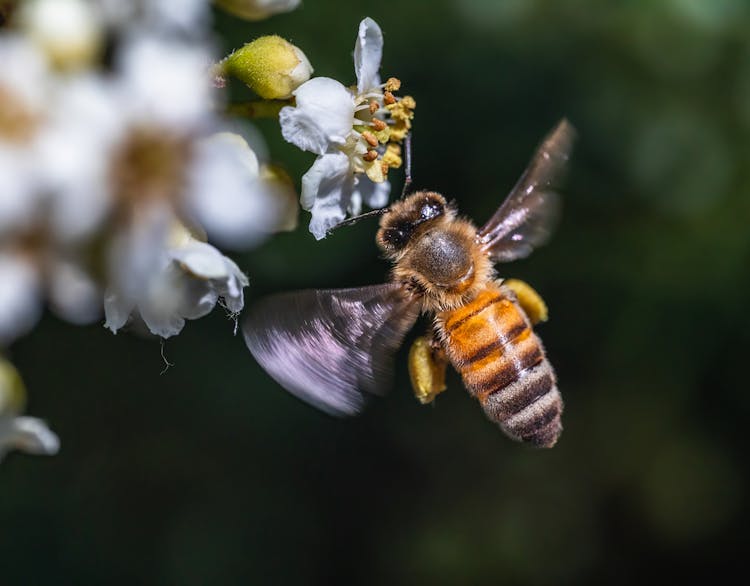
[211, 474]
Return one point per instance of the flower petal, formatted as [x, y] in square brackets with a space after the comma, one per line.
[159, 306]
[117, 310]
[231, 289]
[326, 191]
[322, 117]
[368, 52]
[229, 199]
[373, 194]
[20, 297]
[166, 82]
[30, 435]
[74, 295]
[201, 259]
[198, 299]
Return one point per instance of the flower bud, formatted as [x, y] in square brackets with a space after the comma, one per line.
[272, 67]
[69, 32]
[12, 391]
[257, 9]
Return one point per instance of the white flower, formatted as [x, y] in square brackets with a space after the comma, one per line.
[24, 86]
[29, 275]
[27, 434]
[171, 16]
[185, 281]
[257, 9]
[343, 127]
[70, 32]
[20, 296]
[235, 201]
[36, 260]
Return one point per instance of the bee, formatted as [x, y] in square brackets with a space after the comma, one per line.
[334, 348]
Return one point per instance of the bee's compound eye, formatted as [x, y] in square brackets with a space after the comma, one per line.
[430, 209]
[397, 237]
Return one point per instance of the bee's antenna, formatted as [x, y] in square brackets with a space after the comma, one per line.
[355, 219]
[407, 165]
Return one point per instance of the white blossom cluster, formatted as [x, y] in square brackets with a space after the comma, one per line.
[120, 177]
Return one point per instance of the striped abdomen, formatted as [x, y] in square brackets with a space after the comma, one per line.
[490, 342]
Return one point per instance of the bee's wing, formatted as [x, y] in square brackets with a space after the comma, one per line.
[525, 218]
[331, 348]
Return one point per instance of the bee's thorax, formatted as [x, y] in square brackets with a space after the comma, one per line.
[441, 256]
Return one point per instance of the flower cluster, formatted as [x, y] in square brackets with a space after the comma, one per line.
[121, 171]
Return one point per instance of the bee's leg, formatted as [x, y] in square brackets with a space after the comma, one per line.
[427, 365]
[529, 300]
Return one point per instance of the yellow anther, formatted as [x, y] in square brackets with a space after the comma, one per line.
[374, 171]
[393, 84]
[370, 155]
[408, 102]
[400, 130]
[392, 156]
[388, 98]
[378, 124]
[370, 138]
[374, 106]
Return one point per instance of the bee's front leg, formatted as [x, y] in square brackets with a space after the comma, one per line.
[529, 300]
[427, 365]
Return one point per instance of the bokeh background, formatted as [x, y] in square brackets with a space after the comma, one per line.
[209, 473]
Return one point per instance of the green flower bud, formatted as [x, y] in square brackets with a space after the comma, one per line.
[12, 391]
[257, 9]
[272, 67]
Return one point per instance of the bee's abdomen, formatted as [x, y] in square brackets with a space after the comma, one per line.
[502, 362]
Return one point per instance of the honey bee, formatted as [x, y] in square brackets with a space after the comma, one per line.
[334, 348]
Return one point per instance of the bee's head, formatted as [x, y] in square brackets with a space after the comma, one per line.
[405, 218]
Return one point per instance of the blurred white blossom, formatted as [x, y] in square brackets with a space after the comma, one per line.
[346, 129]
[70, 32]
[184, 281]
[24, 87]
[27, 434]
[186, 17]
[34, 260]
[237, 200]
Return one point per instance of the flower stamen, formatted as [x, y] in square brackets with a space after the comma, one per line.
[392, 85]
[370, 138]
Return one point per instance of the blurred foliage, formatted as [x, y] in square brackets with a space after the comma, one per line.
[210, 473]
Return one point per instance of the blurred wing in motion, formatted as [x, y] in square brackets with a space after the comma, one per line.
[331, 348]
[525, 218]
